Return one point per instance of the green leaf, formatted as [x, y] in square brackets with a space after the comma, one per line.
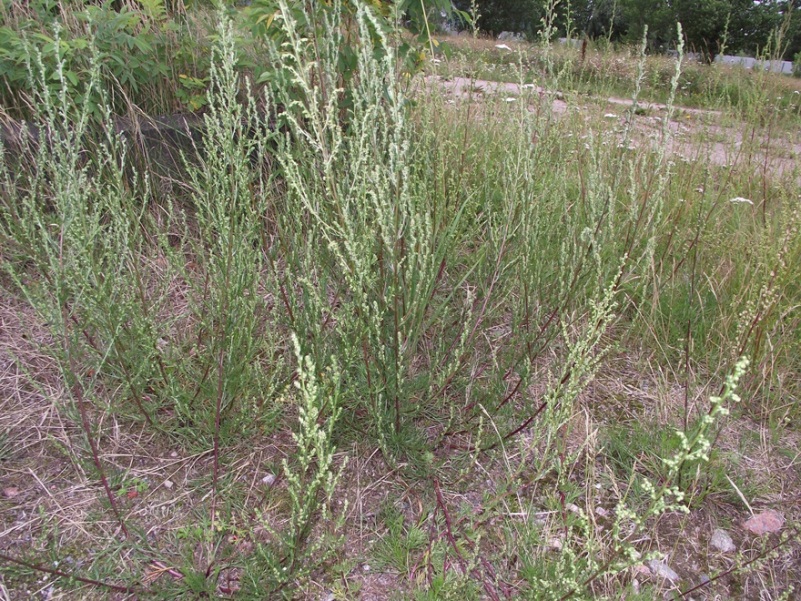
[72, 77]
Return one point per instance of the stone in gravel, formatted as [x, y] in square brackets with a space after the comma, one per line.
[764, 523]
[722, 541]
[555, 544]
[662, 570]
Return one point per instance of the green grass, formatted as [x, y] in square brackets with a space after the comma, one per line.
[396, 343]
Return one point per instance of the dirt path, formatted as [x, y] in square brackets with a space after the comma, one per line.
[695, 134]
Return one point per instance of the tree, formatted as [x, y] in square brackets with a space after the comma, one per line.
[519, 16]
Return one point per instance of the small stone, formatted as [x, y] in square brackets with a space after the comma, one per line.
[722, 541]
[174, 454]
[765, 523]
[168, 484]
[366, 567]
[10, 492]
[662, 570]
[610, 116]
[269, 479]
[601, 512]
[573, 508]
[555, 544]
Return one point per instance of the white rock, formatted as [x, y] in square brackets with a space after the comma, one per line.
[502, 46]
[722, 541]
[168, 484]
[269, 479]
[662, 570]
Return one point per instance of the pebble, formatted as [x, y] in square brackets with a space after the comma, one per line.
[10, 492]
[269, 479]
[600, 511]
[168, 484]
[555, 544]
[662, 570]
[722, 541]
[174, 454]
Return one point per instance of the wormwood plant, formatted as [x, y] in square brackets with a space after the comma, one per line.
[403, 269]
[312, 479]
[586, 557]
[78, 229]
[368, 248]
[73, 238]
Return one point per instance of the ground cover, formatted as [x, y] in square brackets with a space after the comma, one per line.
[402, 336]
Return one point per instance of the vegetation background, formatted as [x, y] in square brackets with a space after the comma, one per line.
[391, 315]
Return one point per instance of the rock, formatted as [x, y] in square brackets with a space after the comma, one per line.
[269, 479]
[662, 570]
[174, 454]
[10, 492]
[168, 484]
[601, 512]
[508, 36]
[555, 544]
[764, 523]
[722, 541]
